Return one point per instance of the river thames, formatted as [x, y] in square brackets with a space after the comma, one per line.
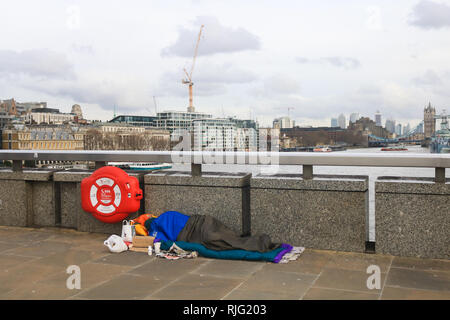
[372, 172]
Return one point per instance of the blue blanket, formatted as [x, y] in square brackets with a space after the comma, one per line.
[272, 256]
[167, 226]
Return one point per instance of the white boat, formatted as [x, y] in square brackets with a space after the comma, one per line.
[140, 165]
[322, 149]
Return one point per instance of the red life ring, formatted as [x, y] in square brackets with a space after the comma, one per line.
[110, 194]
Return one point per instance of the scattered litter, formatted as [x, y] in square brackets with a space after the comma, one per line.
[128, 231]
[175, 253]
[157, 248]
[292, 255]
[115, 244]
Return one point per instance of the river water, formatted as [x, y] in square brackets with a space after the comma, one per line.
[372, 172]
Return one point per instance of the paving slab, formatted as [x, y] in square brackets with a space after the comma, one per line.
[230, 268]
[169, 269]
[125, 287]
[359, 261]
[395, 293]
[40, 249]
[343, 279]
[335, 294]
[310, 262]
[419, 279]
[290, 285]
[34, 266]
[128, 258]
[92, 274]
[197, 287]
[421, 264]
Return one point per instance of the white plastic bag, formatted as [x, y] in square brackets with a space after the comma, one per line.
[115, 244]
[128, 231]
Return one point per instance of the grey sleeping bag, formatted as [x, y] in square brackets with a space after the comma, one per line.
[214, 235]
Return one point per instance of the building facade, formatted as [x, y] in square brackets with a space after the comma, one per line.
[283, 123]
[378, 118]
[37, 137]
[8, 107]
[120, 136]
[47, 116]
[334, 122]
[342, 122]
[177, 122]
[214, 135]
[390, 125]
[429, 121]
[141, 121]
[353, 117]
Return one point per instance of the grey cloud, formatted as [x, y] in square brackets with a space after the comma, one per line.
[209, 79]
[429, 78]
[82, 49]
[343, 62]
[36, 63]
[336, 61]
[430, 15]
[302, 60]
[281, 84]
[225, 73]
[216, 38]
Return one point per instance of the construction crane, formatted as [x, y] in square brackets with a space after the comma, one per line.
[156, 106]
[289, 109]
[188, 79]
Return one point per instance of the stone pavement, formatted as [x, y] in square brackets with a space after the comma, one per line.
[33, 265]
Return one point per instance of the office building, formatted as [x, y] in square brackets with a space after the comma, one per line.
[334, 122]
[398, 129]
[178, 122]
[378, 118]
[47, 116]
[390, 125]
[140, 121]
[354, 117]
[341, 121]
[283, 122]
[214, 134]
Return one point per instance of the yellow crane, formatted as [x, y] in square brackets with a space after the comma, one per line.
[188, 79]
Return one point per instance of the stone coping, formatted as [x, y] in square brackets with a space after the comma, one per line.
[411, 185]
[79, 175]
[319, 182]
[27, 175]
[207, 179]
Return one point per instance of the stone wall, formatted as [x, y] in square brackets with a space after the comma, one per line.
[326, 212]
[412, 217]
[224, 196]
[27, 198]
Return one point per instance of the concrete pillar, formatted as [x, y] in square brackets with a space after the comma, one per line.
[325, 212]
[27, 198]
[224, 196]
[412, 217]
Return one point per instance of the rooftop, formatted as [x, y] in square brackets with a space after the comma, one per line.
[33, 264]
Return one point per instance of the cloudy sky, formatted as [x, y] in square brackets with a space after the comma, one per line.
[257, 58]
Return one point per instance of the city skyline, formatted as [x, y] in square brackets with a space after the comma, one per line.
[122, 59]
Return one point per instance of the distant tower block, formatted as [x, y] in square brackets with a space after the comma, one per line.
[76, 109]
[378, 118]
[429, 121]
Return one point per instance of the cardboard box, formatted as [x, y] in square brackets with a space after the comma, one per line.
[138, 249]
[143, 241]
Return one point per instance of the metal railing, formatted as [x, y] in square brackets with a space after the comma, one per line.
[197, 158]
